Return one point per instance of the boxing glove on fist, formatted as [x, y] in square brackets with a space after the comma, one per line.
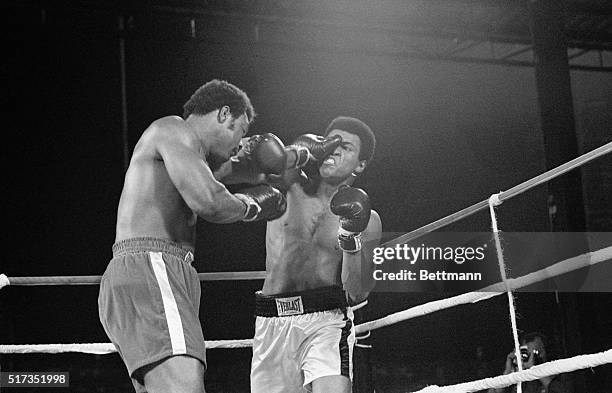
[311, 147]
[267, 152]
[263, 202]
[353, 207]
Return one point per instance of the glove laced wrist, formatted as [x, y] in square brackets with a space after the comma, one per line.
[252, 207]
[302, 155]
[349, 241]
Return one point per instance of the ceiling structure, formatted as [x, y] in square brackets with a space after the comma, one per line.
[480, 31]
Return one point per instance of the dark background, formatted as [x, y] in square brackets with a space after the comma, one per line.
[449, 135]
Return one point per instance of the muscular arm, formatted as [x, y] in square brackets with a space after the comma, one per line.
[358, 282]
[193, 179]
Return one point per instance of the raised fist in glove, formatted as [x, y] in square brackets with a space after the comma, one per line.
[353, 207]
[311, 148]
[263, 202]
[266, 152]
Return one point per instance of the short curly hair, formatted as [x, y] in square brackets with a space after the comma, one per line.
[214, 95]
[359, 128]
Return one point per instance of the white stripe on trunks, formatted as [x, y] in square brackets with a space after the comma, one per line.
[173, 318]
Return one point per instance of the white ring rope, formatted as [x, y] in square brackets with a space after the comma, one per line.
[495, 200]
[105, 348]
[4, 281]
[94, 280]
[536, 372]
[359, 305]
[559, 268]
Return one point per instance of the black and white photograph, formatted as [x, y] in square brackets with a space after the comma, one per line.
[326, 196]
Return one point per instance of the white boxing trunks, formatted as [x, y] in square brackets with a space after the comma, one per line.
[300, 337]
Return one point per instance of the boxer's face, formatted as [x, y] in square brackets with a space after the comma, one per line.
[232, 131]
[238, 129]
[345, 159]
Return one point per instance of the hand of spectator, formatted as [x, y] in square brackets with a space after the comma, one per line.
[511, 364]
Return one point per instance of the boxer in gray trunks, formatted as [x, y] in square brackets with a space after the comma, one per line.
[150, 294]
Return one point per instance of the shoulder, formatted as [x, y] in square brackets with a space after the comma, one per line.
[169, 130]
[169, 125]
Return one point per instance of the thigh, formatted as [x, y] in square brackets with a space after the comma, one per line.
[177, 374]
[274, 365]
[331, 383]
[329, 349]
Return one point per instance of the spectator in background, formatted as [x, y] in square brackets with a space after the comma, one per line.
[535, 350]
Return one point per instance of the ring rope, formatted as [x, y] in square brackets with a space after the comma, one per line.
[504, 195]
[359, 305]
[565, 266]
[536, 372]
[92, 280]
[495, 200]
[105, 348]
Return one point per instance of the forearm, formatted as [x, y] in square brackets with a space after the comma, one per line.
[357, 278]
[225, 208]
[359, 232]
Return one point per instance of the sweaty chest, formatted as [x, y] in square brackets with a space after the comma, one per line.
[311, 221]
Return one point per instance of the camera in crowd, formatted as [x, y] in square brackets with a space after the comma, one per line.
[526, 355]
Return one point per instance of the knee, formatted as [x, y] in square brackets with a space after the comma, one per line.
[192, 382]
[189, 380]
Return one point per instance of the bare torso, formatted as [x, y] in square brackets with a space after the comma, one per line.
[150, 204]
[301, 247]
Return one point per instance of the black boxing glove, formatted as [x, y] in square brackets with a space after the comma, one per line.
[353, 207]
[263, 202]
[266, 152]
[311, 148]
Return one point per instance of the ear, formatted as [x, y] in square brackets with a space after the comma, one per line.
[223, 114]
[361, 167]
